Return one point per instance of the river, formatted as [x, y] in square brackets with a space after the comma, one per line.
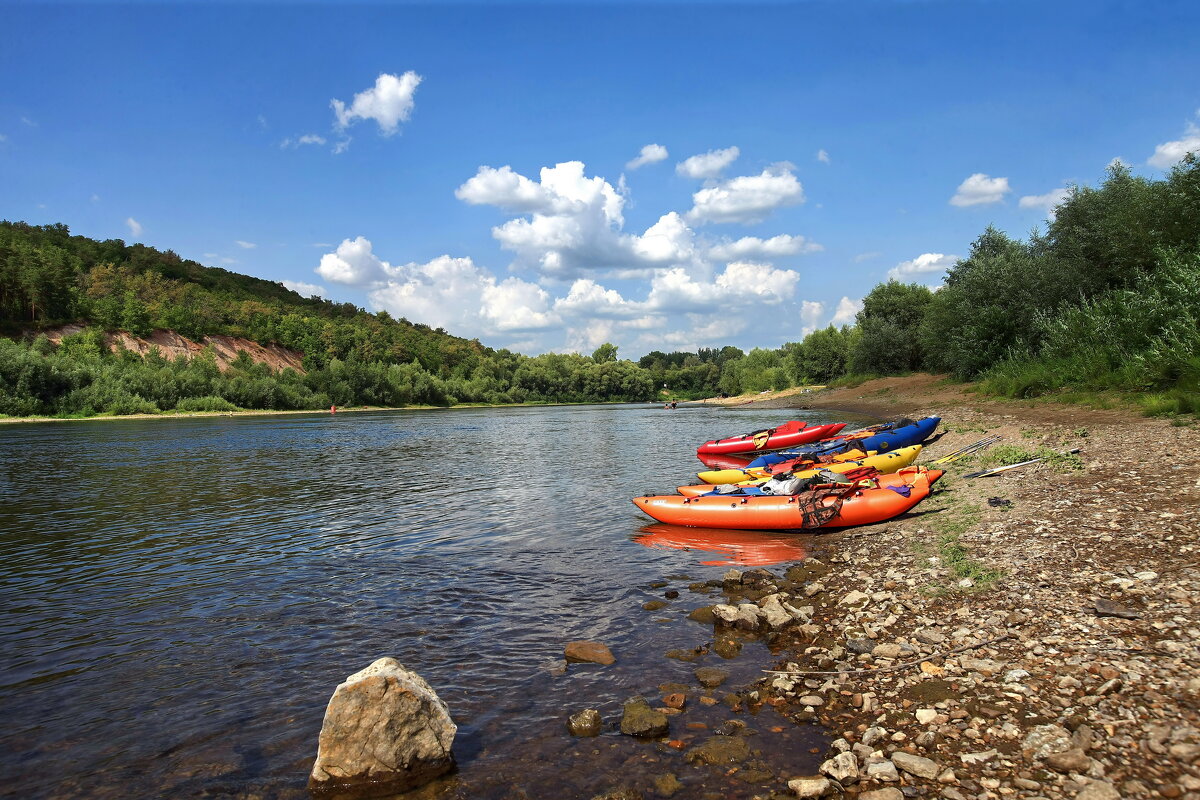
[181, 596]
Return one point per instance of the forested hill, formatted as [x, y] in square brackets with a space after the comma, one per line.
[49, 277]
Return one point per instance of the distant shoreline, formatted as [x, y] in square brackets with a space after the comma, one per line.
[254, 412]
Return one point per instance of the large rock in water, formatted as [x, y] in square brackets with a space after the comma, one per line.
[385, 731]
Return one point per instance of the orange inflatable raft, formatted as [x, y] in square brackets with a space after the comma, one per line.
[819, 508]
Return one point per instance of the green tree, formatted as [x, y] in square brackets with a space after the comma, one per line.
[889, 326]
[605, 353]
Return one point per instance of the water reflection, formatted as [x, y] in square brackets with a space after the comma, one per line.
[739, 548]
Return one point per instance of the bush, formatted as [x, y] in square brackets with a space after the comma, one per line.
[206, 403]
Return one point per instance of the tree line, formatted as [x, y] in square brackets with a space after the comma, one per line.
[1106, 299]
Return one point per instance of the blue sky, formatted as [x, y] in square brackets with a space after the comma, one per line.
[481, 172]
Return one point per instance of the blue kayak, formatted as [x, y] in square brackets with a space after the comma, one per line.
[885, 437]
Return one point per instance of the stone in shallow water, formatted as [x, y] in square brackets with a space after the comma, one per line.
[639, 719]
[384, 727]
[590, 652]
[721, 750]
[817, 786]
[585, 723]
[711, 677]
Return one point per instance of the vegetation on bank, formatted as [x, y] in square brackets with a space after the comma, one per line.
[1107, 300]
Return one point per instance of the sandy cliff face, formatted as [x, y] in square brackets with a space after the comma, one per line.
[171, 345]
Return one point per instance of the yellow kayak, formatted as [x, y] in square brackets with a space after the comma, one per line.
[721, 476]
[884, 462]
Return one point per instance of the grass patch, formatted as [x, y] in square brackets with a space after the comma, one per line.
[1003, 454]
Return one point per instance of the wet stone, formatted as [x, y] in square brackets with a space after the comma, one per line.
[639, 719]
[720, 750]
[703, 615]
[585, 723]
[654, 605]
[810, 787]
[667, 785]
[589, 652]
[711, 677]
[683, 655]
[727, 647]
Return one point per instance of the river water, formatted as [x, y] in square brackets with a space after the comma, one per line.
[181, 596]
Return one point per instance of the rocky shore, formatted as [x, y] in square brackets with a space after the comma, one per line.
[1030, 635]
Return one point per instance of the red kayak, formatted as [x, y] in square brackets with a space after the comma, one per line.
[789, 434]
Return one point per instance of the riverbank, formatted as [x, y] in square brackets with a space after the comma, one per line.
[1033, 634]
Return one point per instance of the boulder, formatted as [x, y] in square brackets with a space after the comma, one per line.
[775, 614]
[639, 719]
[1098, 790]
[386, 727]
[585, 723]
[882, 770]
[589, 652]
[1073, 760]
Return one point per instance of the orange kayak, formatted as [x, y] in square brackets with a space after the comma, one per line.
[847, 508]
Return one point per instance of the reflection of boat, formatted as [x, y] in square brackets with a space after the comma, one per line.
[745, 548]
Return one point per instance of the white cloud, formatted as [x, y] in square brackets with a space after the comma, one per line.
[742, 283]
[748, 198]
[979, 189]
[924, 264]
[389, 103]
[305, 289]
[353, 264]
[1046, 202]
[574, 223]
[823, 156]
[455, 294]
[650, 154]
[861, 257]
[753, 247]
[1168, 154]
[707, 165]
[810, 315]
[341, 146]
[587, 298]
[135, 227]
[28, 122]
[845, 312]
[308, 138]
[245, 245]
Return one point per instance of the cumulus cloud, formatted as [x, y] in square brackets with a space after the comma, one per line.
[707, 165]
[1171, 153]
[650, 154]
[748, 198]
[135, 227]
[754, 247]
[823, 156]
[353, 264]
[389, 102]
[979, 189]
[742, 283]
[305, 289]
[1046, 202]
[924, 264]
[574, 222]
[455, 294]
[245, 245]
[846, 311]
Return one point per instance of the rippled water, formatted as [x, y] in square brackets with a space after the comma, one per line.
[181, 596]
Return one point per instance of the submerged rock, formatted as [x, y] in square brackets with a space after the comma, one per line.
[720, 750]
[585, 723]
[589, 652]
[711, 677]
[384, 728]
[639, 719]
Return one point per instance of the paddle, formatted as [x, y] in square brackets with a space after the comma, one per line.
[997, 470]
[968, 450]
